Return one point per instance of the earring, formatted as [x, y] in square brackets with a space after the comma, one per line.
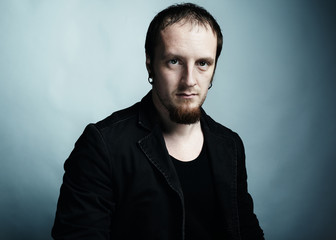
[210, 86]
[150, 80]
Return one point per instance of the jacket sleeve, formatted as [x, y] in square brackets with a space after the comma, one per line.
[85, 205]
[249, 224]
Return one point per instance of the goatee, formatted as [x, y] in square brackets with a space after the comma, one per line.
[183, 114]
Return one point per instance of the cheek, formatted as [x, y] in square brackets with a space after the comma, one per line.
[205, 78]
[168, 77]
[163, 81]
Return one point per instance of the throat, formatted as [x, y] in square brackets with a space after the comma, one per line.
[185, 147]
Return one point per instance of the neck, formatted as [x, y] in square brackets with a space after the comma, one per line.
[171, 128]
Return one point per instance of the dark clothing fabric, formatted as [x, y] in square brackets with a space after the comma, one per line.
[120, 182]
[200, 202]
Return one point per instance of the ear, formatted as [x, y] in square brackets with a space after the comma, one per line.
[148, 66]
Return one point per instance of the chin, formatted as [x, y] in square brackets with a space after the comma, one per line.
[185, 115]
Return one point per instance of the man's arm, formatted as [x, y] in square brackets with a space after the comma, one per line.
[249, 224]
[86, 201]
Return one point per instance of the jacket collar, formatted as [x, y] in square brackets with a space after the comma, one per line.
[148, 115]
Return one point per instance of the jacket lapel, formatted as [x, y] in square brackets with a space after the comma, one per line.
[153, 144]
[154, 148]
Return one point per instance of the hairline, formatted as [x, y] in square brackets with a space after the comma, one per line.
[182, 21]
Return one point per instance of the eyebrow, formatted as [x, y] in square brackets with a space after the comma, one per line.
[172, 55]
[210, 60]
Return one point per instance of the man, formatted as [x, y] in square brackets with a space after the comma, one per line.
[162, 169]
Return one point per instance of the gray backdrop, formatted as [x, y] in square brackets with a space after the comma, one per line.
[64, 64]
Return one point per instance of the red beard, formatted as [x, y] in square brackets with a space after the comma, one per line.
[184, 115]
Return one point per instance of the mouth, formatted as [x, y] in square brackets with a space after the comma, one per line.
[186, 95]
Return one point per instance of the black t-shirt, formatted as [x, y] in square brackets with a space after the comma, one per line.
[201, 208]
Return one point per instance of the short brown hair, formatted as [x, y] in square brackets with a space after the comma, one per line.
[175, 13]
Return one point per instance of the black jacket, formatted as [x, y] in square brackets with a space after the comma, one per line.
[120, 183]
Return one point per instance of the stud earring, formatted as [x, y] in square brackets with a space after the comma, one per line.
[150, 80]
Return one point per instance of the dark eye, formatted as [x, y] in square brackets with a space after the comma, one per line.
[203, 63]
[173, 61]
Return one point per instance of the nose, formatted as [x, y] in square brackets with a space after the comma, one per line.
[188, 76]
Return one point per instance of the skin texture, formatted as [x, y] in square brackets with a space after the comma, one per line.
[183, 67]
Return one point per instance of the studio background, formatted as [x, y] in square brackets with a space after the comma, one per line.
[64, 64]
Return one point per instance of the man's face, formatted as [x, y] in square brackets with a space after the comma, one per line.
[182, 70]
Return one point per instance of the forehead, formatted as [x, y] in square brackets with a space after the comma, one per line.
[189, 38]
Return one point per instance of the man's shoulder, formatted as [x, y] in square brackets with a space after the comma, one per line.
[124, 116]
[129, 116]
[219, 129]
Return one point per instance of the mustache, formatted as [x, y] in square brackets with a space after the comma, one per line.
[184, 89]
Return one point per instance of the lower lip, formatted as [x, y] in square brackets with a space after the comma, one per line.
[186, 96]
